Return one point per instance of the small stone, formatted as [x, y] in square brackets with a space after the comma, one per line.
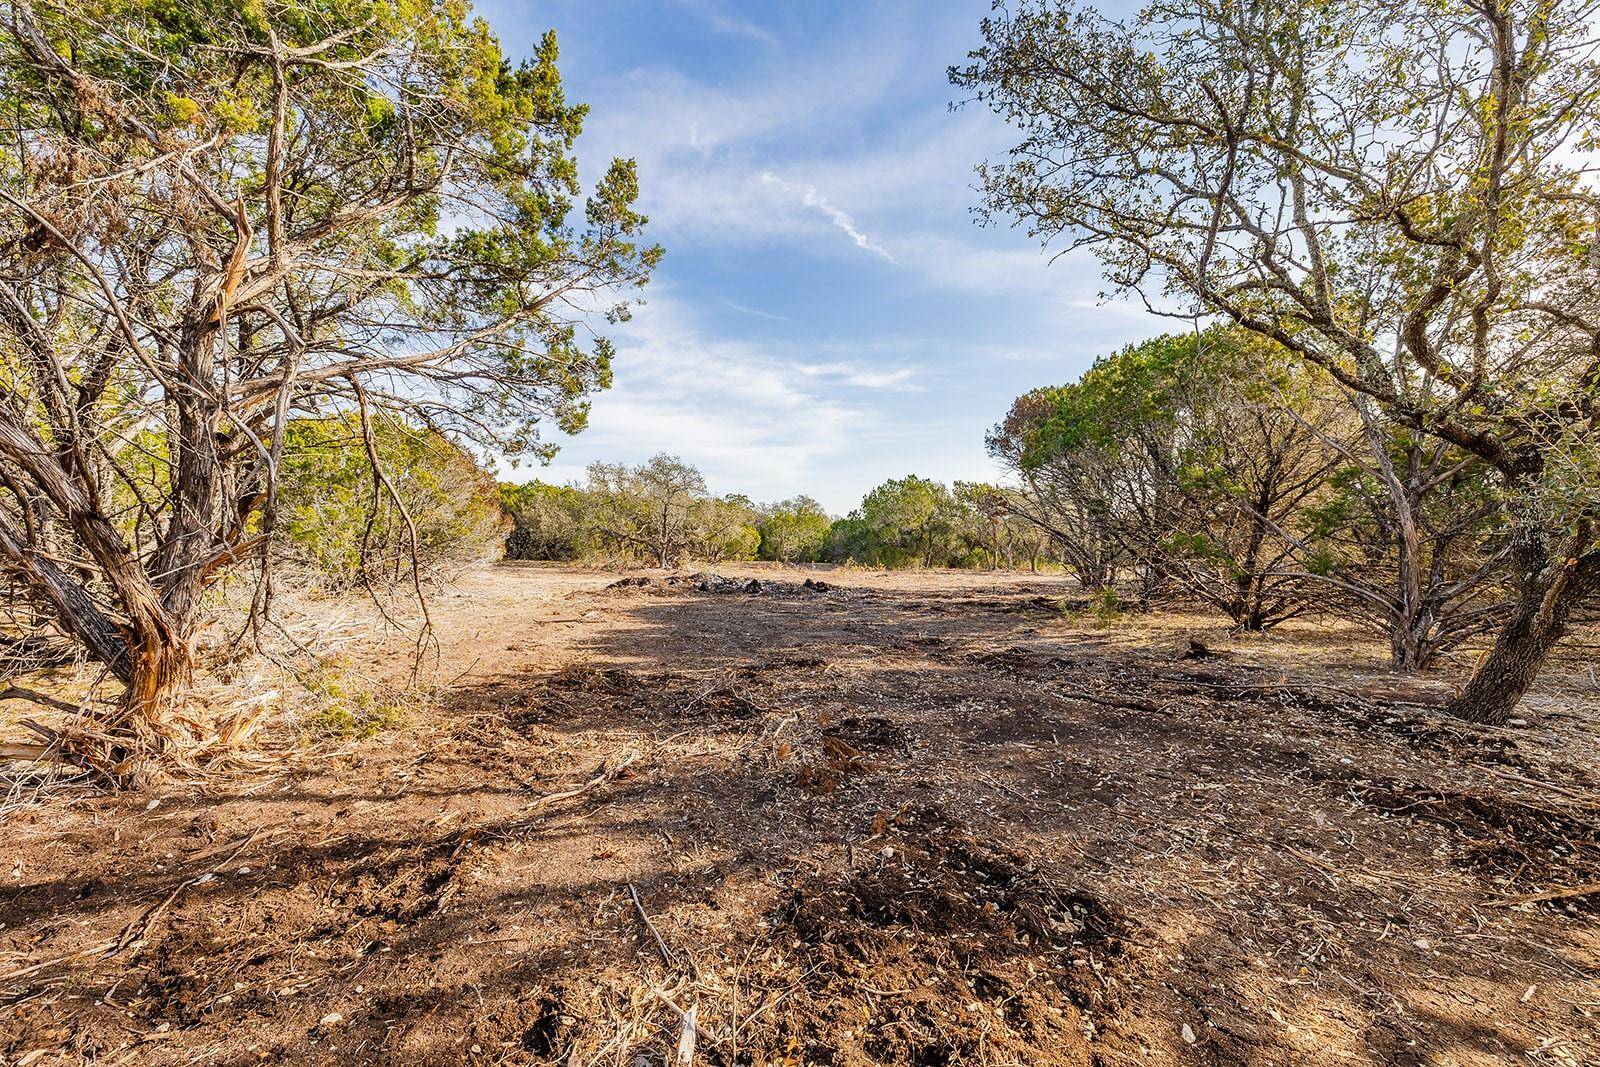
[1188, 1034]
[333, 1018]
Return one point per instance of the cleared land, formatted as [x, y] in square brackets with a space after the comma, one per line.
[922, 819]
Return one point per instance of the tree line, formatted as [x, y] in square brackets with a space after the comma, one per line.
[1216, 466]
[660, 513]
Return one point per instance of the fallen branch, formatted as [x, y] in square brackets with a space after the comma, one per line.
[605, 775]
[661, 945]
[1126, 703]
[33, 696]
[1587, 799]
[1552, 894]
[686, 1036]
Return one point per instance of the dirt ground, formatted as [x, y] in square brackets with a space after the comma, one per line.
[919, 819]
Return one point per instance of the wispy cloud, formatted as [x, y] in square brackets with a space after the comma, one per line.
[751, 416]
[861, 378]
[810, 197]
[757, 312]
[722, 21]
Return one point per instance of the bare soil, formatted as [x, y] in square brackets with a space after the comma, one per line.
[918, 819]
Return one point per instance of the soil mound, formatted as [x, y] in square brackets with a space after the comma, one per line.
[942, 949]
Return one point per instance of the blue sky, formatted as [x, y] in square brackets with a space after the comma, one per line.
[828, 314]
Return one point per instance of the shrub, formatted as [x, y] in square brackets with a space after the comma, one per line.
[338, 524]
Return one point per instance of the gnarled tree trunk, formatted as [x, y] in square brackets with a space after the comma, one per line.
[1539, 618]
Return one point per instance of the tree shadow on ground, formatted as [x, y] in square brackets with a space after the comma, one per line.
[860, 836]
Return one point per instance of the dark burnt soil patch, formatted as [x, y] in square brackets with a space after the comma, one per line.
[829, 764]
[1525, 848]
[1022, 605]
[402, 890]
[704, 582]
[846, 748]
[943, 949]
[1425, 729]
[576, 693]
[1150, 682]
[871, 733]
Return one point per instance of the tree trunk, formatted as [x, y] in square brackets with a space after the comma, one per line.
[162, 668]
[1492, 693]
[1538, 620]
[1410, 647]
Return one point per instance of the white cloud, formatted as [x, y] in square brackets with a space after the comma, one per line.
[753, 417]
[724, 22]
[852, 375]
[810, 197]
[757, 312]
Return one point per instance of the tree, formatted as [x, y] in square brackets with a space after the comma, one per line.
[910, 517]
[726, 527]
[851, 540]
[1411, 539]
[794, 530]
[547, 521]
[335, 523]
[1051, 496]
[650, 508]
[1392, 190]
[659, 511]
[986, 508]
[219, 218]
[1191, 453]
[1024, 537]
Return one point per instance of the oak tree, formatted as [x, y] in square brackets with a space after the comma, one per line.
[1396, 191]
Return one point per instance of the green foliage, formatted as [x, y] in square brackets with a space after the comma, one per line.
[725, 528]
[658, 513]
[364, 717]
[548, 521]
[794, 530]
[911, 519]
[345, 708]
[1189, 452]
[851, 540]
[1105, 608]
[336, 522]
